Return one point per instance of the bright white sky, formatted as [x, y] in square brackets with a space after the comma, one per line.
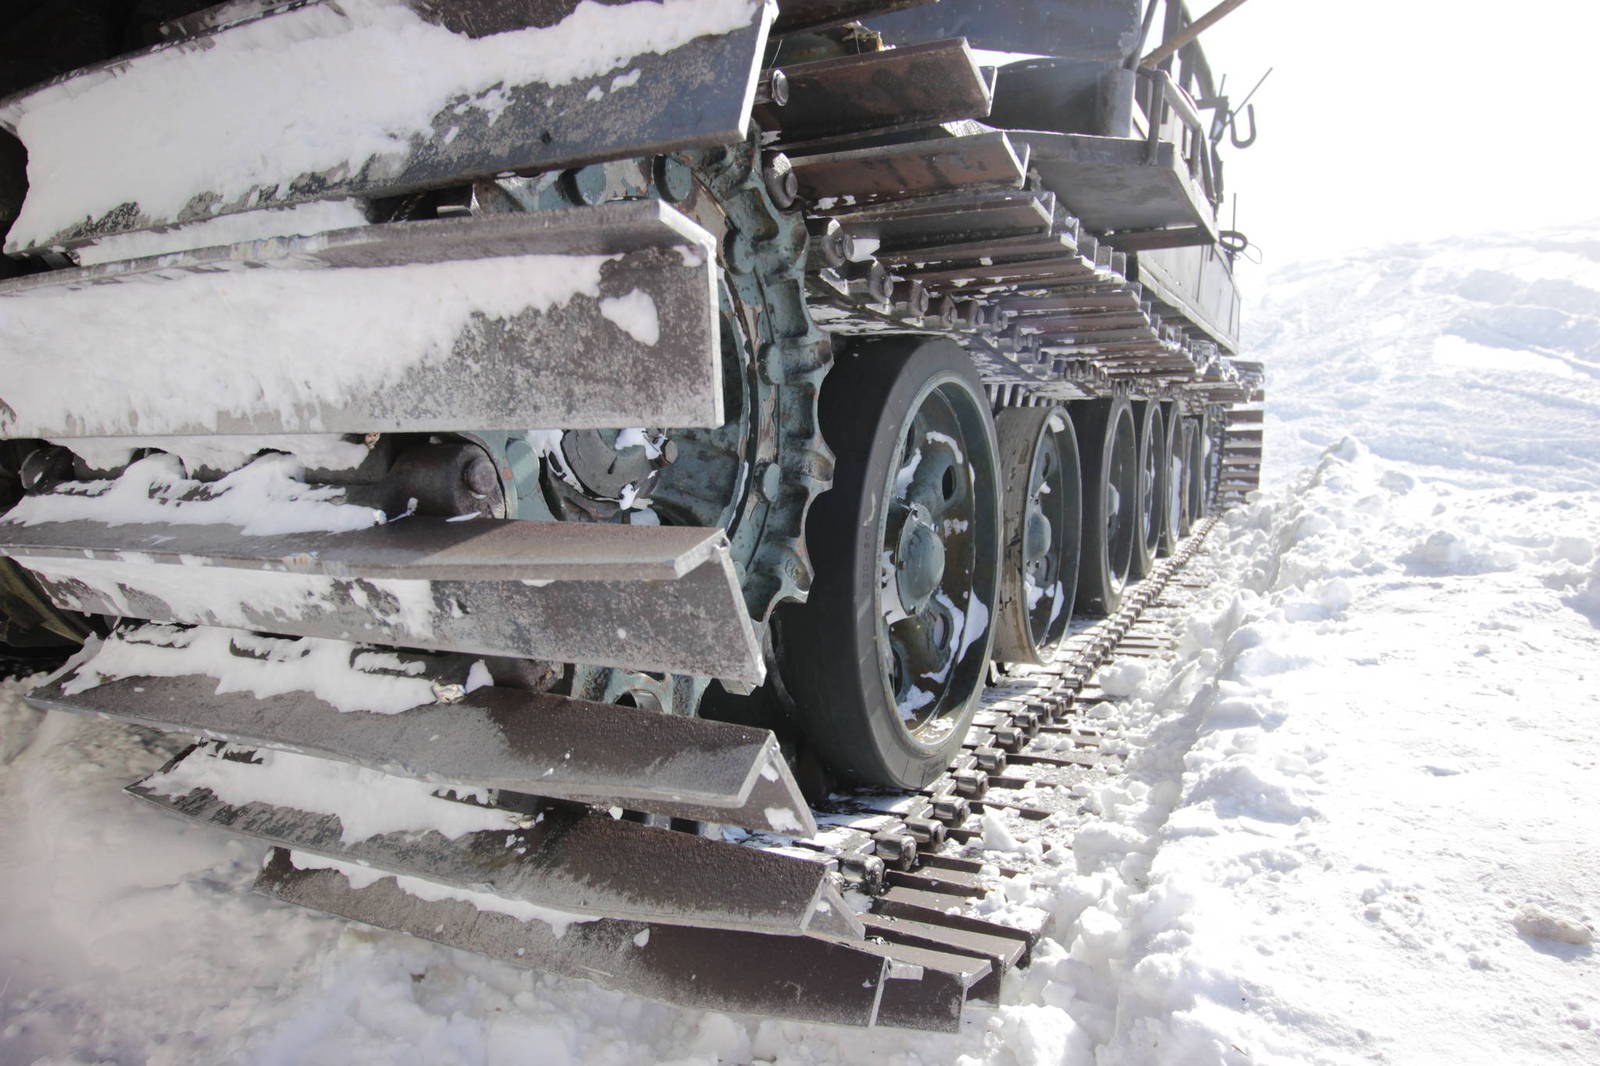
[1394, 120]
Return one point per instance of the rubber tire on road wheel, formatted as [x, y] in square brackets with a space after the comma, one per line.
[1210, 465]
[1172, 528]
[1152, 433]
[1024, 634]
[830, 656]
[1194, 475]
[1109, 452]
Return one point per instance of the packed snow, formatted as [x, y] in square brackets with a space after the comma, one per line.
[367, 803]
[363, 876]
[267, 497]
[298, 220]
[347, 677]
[1356, 822]
[232, 596]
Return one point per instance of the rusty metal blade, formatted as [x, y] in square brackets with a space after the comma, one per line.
[800, 977]
[508, 85]
[491, 737]
[595, 317]
[648, 598]
[565, 859]
[899, 88]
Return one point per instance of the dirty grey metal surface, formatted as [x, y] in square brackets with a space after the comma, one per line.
[1064, 95]
[634, 109]
[418, 547]
[933, 1001]
[1197, 283]
[933, 165]
[572, 860]
[945, 218]
[1085, 29]
[492, 737]
[985, 252]
[900, 88]
[527, 361]
[796, 16]
[525, 589]
[1112, 184]
[716, 969]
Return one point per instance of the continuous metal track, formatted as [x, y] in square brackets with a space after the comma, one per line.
[920, 220]
[1030, 744]
[1029, 753]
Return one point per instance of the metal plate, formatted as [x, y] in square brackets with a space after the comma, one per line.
[714, 969]
[947, 219]
[600, 317]
[569, 860]
[1111, 183]
[530, 90]
[937, 164]
[1089, 29]
[494, 737]
[1198, 282]
[900, 88]
[974, 278]
[795, 16]
[993, 249]
[934, 989]
[516, 588]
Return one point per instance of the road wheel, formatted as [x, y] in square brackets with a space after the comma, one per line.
[1195, 475]
[1152, 485]
[884, 663]
[1043, 527]
[1172, 528]
[1108, 450]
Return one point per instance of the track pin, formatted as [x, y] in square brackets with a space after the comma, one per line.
[949, 809]
[897, 850]
[970, 784]
[990, 760]
[863, 871]
[1008, 737]
[928, 833]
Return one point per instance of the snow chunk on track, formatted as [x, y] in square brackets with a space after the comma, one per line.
[265, 498]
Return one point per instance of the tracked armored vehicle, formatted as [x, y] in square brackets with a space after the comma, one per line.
[577, 468]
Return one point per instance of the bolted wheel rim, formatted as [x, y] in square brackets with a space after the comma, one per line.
[1195, 480]
[883, 665]
[1120, 508]
[1148, 479]
[1109, 458]
[1045, 540]
[936, 555]
[1172, 503]
[1044, 527]
[1151, 425]
[1150, 486]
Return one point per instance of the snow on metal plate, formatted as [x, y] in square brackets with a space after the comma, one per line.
[325, 100]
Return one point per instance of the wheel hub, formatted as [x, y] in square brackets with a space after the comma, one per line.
[919, 561]
[1036, 538]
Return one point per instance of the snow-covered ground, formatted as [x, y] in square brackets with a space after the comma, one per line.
[1358, 822]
